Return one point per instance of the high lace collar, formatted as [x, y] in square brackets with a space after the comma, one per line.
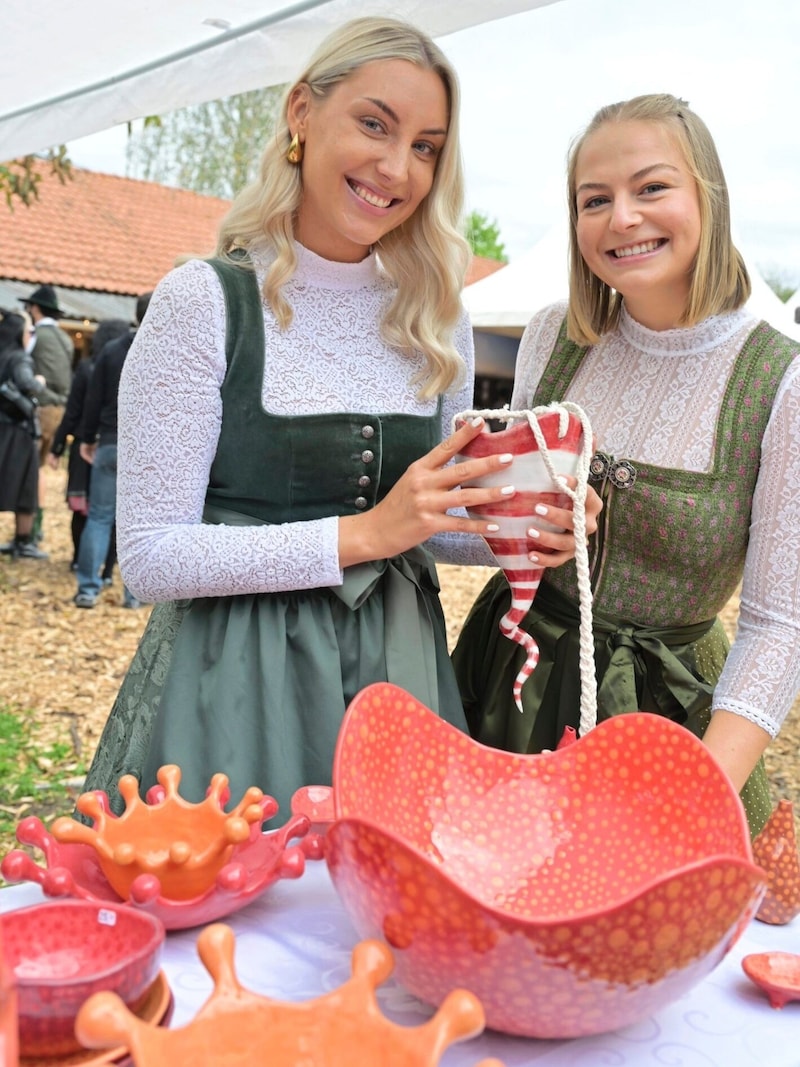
[313, 270]
[684, 340]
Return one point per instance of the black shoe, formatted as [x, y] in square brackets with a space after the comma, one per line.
[28, 550]
[8, 548]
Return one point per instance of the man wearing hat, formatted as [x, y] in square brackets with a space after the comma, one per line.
[52, 354]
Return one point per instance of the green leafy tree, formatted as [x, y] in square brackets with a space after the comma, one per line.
[483, 235]
[211, 148]
[20, 178]
[781, 282]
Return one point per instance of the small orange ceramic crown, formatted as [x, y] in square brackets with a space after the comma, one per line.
[775, 849]
[183, 845]
[234, 1025]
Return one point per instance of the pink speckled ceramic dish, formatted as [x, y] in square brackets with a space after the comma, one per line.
[64, 951]
[572, 892]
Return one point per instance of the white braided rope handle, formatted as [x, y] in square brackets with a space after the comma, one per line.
[588, 718]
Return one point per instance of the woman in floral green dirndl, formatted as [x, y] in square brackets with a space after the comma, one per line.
[695, 407]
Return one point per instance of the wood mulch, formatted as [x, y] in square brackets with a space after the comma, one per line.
[63, 665]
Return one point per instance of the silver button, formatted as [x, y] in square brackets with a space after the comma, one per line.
[367, 456]
[361, 502]
[364, 481]
[367, 431]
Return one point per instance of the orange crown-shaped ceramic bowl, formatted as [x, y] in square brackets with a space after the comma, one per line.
[186, 863]
[239, 1028]
[572, 892]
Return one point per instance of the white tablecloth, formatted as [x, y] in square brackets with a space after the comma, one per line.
[295, 941]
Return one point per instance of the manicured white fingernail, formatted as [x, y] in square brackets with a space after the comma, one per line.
[533, 532]
[477, 421]
[507, 490]
[506, 457]
[492, 527]
[533, 557]
[540, 509]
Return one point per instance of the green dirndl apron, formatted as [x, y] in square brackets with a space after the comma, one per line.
[255, 686]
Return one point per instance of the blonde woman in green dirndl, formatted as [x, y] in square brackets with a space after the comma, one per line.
[695, 408]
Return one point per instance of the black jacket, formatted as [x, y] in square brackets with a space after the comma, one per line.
[100, 407]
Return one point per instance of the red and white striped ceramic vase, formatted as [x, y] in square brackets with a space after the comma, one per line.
[546, 442]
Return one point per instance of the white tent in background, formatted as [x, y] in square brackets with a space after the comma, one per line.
[504, 302]
[765, 302]
[793, 309]
[149, 59]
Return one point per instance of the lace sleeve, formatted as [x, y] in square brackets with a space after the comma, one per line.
[761, 677]
[170, 411]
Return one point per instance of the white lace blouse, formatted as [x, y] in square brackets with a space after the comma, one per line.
[655, 396]
[331, 359]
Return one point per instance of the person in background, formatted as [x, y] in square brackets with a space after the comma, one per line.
[283, 477]
[19, 430]
[78, 470]
[98, 448]
[53, 353]
[695, 405]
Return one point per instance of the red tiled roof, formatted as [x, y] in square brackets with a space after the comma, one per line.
[110, 234]
[104, 233]
[480, 267]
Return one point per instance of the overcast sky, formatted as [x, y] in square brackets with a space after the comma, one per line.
[530, 82]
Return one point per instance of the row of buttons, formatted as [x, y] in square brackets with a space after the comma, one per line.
[367, 456]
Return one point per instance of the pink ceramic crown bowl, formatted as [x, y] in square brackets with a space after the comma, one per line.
[572, 892]
[187, 864]
[64, 951]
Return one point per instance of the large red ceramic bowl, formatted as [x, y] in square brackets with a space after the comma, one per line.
[64, 951]
[573, 892]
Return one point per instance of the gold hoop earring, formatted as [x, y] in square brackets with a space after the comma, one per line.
[294, 153]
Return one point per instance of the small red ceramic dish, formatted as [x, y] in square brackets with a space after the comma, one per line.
[572, 892]
[156, 1009]
[776, 973]
[186, 863]
[64, 951]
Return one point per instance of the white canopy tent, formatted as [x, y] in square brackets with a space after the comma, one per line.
[504, 302]
[71, 69]
[793, 307]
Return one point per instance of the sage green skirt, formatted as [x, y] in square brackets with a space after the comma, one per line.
[670, 672]
[256, 686]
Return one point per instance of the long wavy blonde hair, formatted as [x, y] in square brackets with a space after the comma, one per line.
[719, 280]
[426, 257]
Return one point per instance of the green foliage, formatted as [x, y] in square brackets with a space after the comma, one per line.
[483, 235]
[781, 282]
[20, 178]
[34, 777]
[212, 148]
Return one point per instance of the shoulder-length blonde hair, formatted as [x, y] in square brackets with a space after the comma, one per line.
[719, 280]
[426, 257]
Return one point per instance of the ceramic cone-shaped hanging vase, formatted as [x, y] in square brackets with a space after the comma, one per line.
[775, 850]
[546, 443]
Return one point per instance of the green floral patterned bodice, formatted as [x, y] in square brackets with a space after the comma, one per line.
[671, 545]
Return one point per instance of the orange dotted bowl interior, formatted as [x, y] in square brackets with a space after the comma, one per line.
[573, 892]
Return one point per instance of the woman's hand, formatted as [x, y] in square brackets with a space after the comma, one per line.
[553, 547]
[417, 507]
